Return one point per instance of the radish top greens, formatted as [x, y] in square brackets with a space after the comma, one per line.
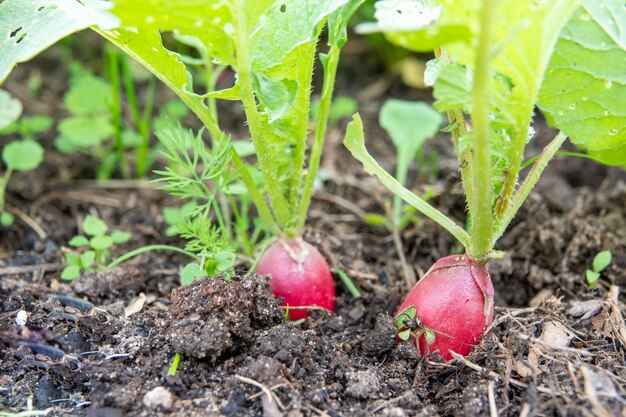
[495, 61]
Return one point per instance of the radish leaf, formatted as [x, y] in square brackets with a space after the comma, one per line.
[27, 27]
[585, 85]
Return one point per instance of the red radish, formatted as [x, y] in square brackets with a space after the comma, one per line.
[300, 274]
[452, 305]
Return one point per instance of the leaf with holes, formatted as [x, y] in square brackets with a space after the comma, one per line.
[27, 27]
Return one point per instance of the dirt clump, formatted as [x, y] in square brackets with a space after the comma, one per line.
[214, 316]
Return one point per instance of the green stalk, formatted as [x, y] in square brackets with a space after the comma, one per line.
[303, 101]
[402, 171]
[244, 78]
[480, 169]
[116, 110]
[4, 180]
[456, 118]
[142, 127]
[253, 190]
[330, 62]
[531, 180]
[532, 160]
[144, 249]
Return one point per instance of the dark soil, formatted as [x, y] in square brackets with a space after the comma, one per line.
[556, 347]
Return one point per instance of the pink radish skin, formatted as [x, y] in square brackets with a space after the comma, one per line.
[455, 300]
[300, 274]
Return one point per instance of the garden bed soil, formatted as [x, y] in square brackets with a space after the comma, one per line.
[556, 347]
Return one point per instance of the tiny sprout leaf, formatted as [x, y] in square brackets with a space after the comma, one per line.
[70, 272]
[101, 242]
[119, 236]
[93, 226]
[22, 155]
[6, 219]
[190, 273]
[429, 336]
[87, 259]
[408, 313]
[78, 241]
[404, 335]
[72, 259]
[602, 260]
[592, 277]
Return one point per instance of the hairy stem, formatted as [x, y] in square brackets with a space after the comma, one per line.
[533, 176]
[244, 78]
[330, 62]
[481, 216]
[456, 119]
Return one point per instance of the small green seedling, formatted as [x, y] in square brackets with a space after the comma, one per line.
[20, 155]
[174, 365]
[409, 125]
[94, 246]
[600, 262]
[409, 325]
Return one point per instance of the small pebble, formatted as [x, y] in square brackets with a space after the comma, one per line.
[159, 397]
[21, 318]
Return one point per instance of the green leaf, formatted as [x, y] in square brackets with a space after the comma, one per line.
[78, 241]
[70, 273]
[429, 337]
[409, 124]
[28, 27]
[592, 277]
[408, 313]
[38, 123]
[602, 260]
[88, 95]
[416, 24]
[147, 49]
[93, 226]
[83, 132]
[190, 273]
[72, 259]
[22, 155]
[87, 259]
[10, 108]
[6, 219]
[101, 242]
[119, 236]
[404, 335]
[209, 21]
[584, 88]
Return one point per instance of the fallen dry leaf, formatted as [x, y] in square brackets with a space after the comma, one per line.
[135, 305]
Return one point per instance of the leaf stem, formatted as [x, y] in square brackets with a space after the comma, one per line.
[532, 160]
[531, 180]
[144, 249]
[329, 62]
[355, 143]
[244, 78]
[480, 168]
[464, 157]
[4, 180]
[116, 111]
